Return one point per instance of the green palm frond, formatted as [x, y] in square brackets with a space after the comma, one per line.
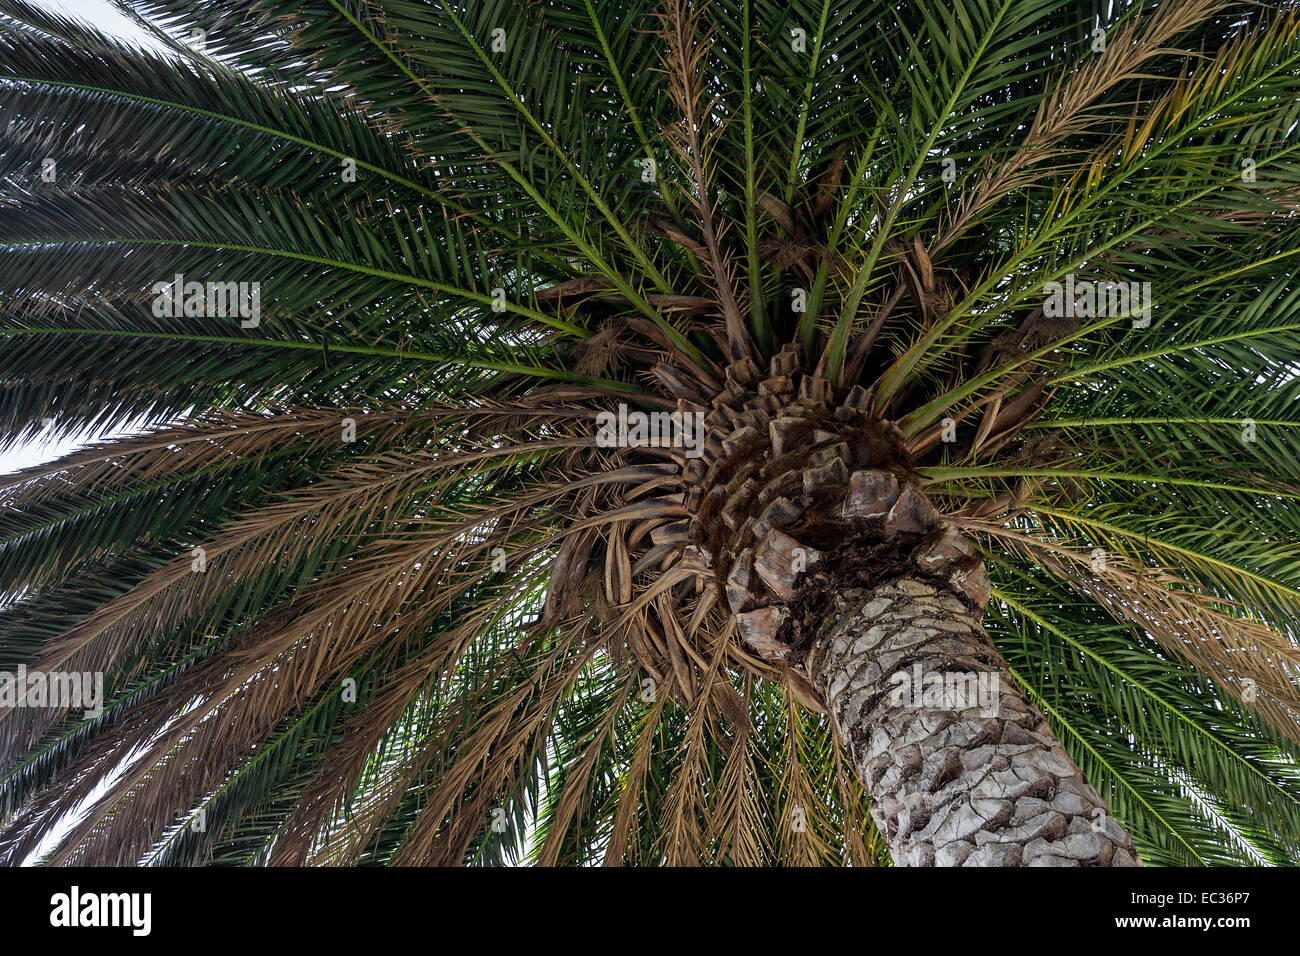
[366, 589]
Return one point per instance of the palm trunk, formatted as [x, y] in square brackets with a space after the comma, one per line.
[970, 776]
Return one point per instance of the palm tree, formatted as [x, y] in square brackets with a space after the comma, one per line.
[653, 432]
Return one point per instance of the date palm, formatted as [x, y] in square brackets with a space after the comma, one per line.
[987, 314]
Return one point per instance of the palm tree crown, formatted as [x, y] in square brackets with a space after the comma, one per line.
[995, 295]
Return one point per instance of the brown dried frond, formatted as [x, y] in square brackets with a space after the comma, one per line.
[692, 139]
[599, 354]
[1068, 111]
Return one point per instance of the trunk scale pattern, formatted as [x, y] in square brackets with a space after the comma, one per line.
[952, 781]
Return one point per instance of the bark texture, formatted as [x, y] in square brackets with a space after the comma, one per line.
[951, 782]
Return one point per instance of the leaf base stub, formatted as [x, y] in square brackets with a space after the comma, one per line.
[799, 497]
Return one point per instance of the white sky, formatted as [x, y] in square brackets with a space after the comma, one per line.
[45, 447]
[100, 12]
